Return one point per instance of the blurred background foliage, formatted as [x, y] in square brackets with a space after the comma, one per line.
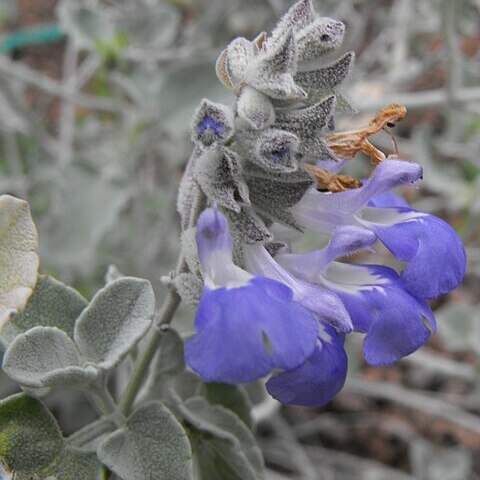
[95, 103]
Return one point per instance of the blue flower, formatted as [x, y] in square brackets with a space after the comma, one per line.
[319, 378]
[396, 322]
[246, 325]
[433, 252]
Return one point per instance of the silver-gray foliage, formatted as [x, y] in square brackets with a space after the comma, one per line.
[152, 445]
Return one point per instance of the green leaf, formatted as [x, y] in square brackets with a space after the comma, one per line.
[52, 304]
[233, 397]
[43, 357]
[30, 439]
[18, 257]
[167, 365]
[223, 446]
[169, 360]
[153, 445]
[76, 464]
[116, 319]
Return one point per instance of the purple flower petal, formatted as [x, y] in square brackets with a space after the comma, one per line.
[387, 199]
[319, 379]
[245, 332]
[396, 322]
[318, 300]
[434, 252]
[323, 212]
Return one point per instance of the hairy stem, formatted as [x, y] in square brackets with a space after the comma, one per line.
[172, 301]
[164, 317]
[91, 431]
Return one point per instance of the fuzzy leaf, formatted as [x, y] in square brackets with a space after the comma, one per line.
[168, 364]
[218, 172]
[247, 226]
[76, 464]
[256, 108]
[232, 397]
[308, 124]
[152, 446]
[322, 36]
[118, 316]
[169, 360]
[43, 357]
[317, 82]
[223, 445]
[30, 439]
[52, 304]
[189, 287]
[240, 53]
[18, 257]
[254, 171]
[297, 17]
[272, 72]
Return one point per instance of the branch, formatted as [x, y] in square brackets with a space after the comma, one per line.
[28, 75]
[421, 100]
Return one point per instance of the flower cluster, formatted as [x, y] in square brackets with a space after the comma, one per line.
[262, 308]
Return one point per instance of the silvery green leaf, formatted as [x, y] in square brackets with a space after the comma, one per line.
[247, 226]
[255, 107]
[52, 304]
[219, 174]
[239, 55]
[322, 36]
[18, 256]
[232, 397]
[152, 445]
[76, 464]
[30, 439]
[297, 17]
[255, 171]
[44, 357]
[276, 149]
[223, 446]
[272, 199]
[308, 124]
[281, 193]
[273, 70]
[118, 316]
[317, 82]
[212, 124]
[189, 287]
[169, 360]
[344, 105]
[167, 364]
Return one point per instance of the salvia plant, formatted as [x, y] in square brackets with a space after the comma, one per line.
[262, 175]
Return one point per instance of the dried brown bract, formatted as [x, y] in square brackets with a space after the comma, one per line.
[326, 180]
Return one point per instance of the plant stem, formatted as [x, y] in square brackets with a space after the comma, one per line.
[165, 316]
[91, 431]
[172, 301]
